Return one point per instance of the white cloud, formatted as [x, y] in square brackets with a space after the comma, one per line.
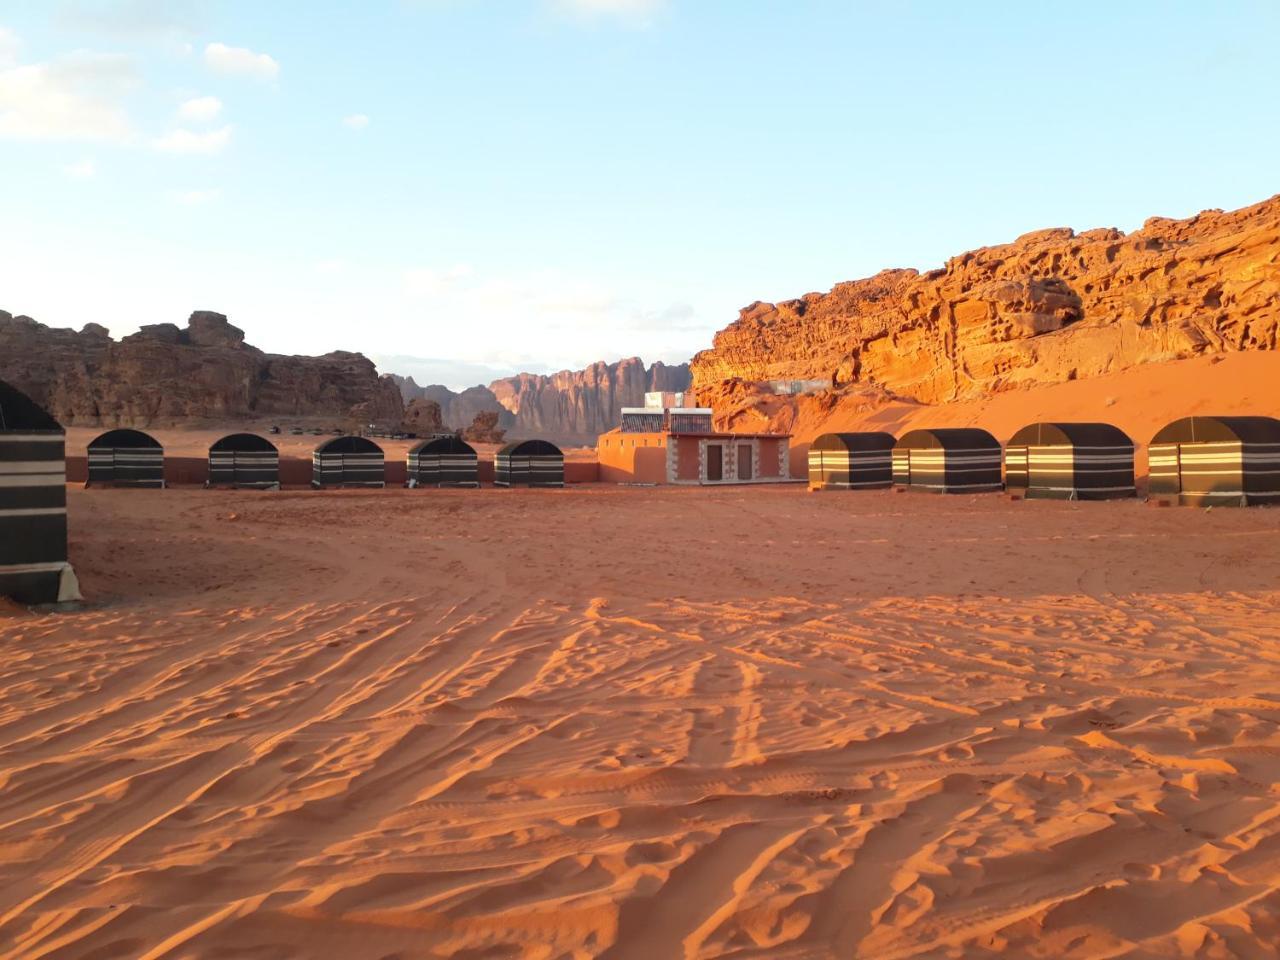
[74, 97]
[241, 61]
[357, 121]
[163, 20]
[188, 141]
[200, 109]
[8, 48]
[193, 198]
[637, 11]
[522, 313]
[81, 170]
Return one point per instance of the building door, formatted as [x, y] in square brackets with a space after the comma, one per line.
[744, 461]
[715, 461]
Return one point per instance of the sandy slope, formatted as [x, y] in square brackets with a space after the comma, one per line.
[645, 724]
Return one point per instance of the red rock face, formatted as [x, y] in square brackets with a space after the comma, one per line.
[575, 406]
[164, 375]
[1051, 306]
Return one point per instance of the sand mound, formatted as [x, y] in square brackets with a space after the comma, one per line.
[644, 723]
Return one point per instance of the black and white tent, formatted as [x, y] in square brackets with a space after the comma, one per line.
[126, 458]
[348, 462]
[529, 463]
[948, 460]
[851, 461]
[443, 462]
[33, 504]
[244, 460]
[1070, 461]
[1217, 461]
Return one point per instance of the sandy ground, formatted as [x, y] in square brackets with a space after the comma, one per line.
[645, 724]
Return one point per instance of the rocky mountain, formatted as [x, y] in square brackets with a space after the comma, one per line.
[1052, 306]
[457, 410]
[572, 406]
[577, 405]
[164, 374]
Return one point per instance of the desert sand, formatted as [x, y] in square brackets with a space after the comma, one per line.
[644, 724]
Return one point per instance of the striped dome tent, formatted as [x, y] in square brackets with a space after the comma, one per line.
[529, 463]
[443, 462]
[948, 460]
[33, 504]
[348, 462]
[1217, 461]
[126, 458]
[244, 460]
[851, 461]
[1070, 461]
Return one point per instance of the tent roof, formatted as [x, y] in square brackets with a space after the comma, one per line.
[443, 445]
[870, 440]
[1210, 429]
[349, 445]
[127, 439]
[20, 412]
[1070, 435]
[244, 443]
[948, 438]
[531, 448]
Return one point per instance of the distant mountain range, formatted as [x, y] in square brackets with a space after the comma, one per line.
[166, 375]
[572, 406]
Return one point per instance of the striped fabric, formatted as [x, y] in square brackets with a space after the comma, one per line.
[532, 463]
[257, 469]
[443, 463]
[126, 466]
[851, 461]
[1070, 461]
[348, 469]
[959, 460]
[33, 518]
[1217, 461]
[1225, 473]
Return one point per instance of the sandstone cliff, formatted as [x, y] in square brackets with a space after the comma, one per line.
[577, 405]
[164, 374]
[1052, 306]
[572, 406]
[457, 410]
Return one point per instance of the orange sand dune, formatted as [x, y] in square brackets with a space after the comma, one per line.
[645, 724]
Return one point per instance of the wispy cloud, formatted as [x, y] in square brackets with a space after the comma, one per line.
[200, 109]
[164, 20]
[638, 12]
[8, 48]
[79, 96]
[240, 61]
[193, 198]
[189, 141]
[357, 121]
[80, 170]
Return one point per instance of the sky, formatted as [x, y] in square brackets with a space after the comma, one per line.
[463, 189]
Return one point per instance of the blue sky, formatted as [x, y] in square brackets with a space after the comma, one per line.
[466, 188]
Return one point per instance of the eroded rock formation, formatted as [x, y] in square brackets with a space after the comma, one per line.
[164, 374]
[1051, 306]
[577, 405]
[572, 406]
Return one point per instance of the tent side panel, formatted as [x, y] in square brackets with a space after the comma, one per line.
[33, 516]
[1262, 473]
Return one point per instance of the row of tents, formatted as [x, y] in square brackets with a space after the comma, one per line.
[131, 458]
[1200, 461]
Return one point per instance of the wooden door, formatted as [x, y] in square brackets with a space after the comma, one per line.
[715, 462]
[744, 461]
